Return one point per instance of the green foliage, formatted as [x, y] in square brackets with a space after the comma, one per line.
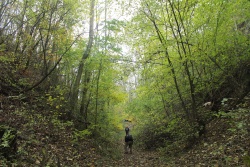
[79, 135]
[7, 137]
[56, 98]
[60, 125]
[169, 135]
[235, 118]
[154, 135]
[224, 100]
[181, 52]
[246, 160]
[107, 133]
[107, 140]
[205, 48]
[184, 136]
[46, 36]
[8, 143]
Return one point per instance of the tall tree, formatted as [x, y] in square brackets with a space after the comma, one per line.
[86, 54]
[183, 46]
[35, 35]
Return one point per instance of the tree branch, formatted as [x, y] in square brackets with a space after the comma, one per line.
[39, 82]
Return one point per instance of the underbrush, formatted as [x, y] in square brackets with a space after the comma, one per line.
[107, 142]
[170, 136]
[42, 138]
[225, 143]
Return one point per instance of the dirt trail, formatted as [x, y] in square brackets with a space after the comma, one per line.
[141, 159]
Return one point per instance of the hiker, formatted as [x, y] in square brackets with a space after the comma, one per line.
[128, 143]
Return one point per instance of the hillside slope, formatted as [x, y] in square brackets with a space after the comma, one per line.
[225, 143]
[44, 140]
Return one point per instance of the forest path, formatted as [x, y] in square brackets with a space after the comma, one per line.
[139, 157]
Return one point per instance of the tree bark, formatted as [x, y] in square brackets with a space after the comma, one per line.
[75, 91]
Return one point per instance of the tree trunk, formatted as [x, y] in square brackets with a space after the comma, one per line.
[163, 42]
[182, 50]
[75, 91]
[85, 99]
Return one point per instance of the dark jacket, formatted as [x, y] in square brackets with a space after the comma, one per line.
[128, 138]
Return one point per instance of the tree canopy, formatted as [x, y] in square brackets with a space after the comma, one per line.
[96, 63]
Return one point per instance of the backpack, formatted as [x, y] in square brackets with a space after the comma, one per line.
[128, 138]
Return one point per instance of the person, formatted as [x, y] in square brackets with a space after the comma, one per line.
[127, 130]
[128, 143]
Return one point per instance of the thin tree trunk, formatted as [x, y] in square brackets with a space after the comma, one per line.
[181, 46]
[75, 91]
[85, 100]
[52, 69]
[163, 42]
[100, 68]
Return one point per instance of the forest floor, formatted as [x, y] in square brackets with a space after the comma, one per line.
[42, 142]
[139, 158]
[226, 143]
